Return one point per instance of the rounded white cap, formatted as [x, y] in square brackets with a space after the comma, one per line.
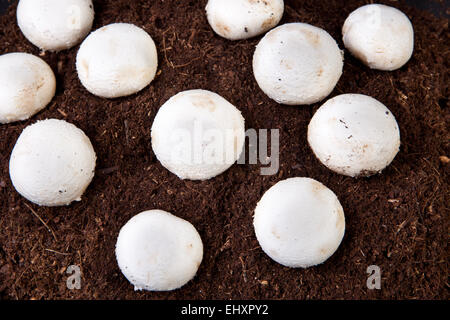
[117, 60]
[158, 251]
[27, 85]
[299, 222]
[382, 37]
[242, 19]
[197, 134]
[55, 25]
[297, 64]
[52, 163]
[354, 135]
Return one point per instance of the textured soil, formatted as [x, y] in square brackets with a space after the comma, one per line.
[398, 220]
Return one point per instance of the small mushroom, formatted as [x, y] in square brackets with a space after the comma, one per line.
[158, 251]
[242, 19]
[117, 60]
[197, 134]
[52, 163]
[27, 85]
[55, 25]
[354, 135]
[299, 222]
[297, 64]
[382, 37]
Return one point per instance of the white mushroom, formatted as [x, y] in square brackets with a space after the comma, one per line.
[158, 251]
[299, 222]
[117, 60]
[354, 135]
[52, 163]
[197, 134]
[242, 19]
[382, 37]
[27, 85]
[55, 25]
[297, 64]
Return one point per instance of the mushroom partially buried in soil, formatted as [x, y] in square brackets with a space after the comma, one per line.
[55, 25]
[354, 135]
[299, 222]
[117, 60]
[197, 134]
[27, 85]
[158, 251]
[382, 37]
[297, 64]
[242, 19]
[52, 163]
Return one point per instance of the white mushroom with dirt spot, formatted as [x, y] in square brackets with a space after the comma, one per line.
[27, 85]
[297, 64]
[299, 222]
[158, 251]
[55, 25]
[382, 37]
[354, 135]
[197, 134]
[117, 60]
[242, 19]
[52, 163]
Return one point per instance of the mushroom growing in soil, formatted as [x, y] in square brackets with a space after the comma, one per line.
[297, 64]
[158, 251]
[242, 19]
[52, 163]
[55, 25]
[354, 135]
[117, 60]
[197, 134]
[382, 37]
[27, 85]
[299, 222]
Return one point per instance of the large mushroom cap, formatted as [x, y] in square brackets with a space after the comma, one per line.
[197, 134]
[55, 25]
[354, 135]
[382, 37]
[27, 85]
[117, 60]
[242, 19]
[297, 64]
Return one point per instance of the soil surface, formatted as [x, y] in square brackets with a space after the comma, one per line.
[397, 220]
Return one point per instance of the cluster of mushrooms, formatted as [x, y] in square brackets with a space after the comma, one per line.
[298, 222]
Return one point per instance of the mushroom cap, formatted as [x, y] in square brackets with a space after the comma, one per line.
[55, 25]
[242, 19]
[52, 163]
[158, 251]
[299, 222]
[117, 60]
[27, 85]
[197, 134]
[382, 37]
[354, 135]
[297, 64]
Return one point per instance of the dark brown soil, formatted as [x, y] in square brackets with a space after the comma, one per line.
[398, 220]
